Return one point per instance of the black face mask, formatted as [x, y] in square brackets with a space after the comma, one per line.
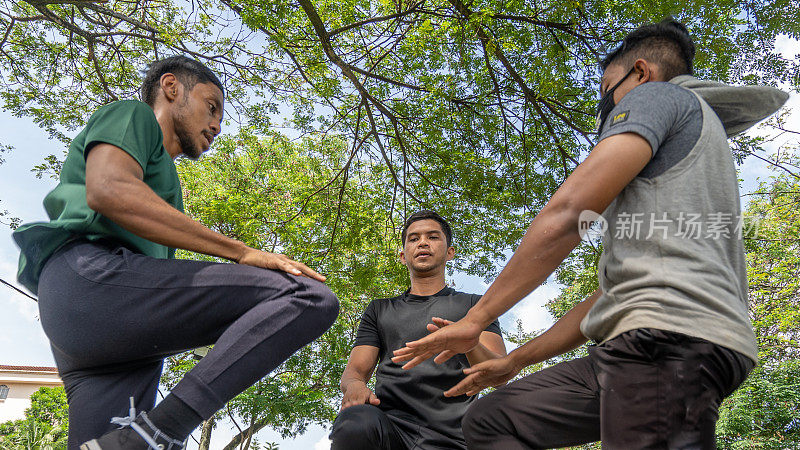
[606, 103]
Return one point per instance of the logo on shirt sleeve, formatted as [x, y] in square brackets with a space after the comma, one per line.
[619, 118]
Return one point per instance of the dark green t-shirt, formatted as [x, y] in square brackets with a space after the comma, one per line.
[130, 125]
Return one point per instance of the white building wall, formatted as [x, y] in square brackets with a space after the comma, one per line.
[13, 407]
[22, 384]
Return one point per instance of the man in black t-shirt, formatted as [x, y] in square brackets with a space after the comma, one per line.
[408, 409]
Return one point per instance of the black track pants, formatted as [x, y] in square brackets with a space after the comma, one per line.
[645, 389]
[112, 316]
[368, 427]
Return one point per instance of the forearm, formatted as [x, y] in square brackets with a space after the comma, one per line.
[480, 354]
[550, 238]
[135, 207]
[351, 378]
[563, 336]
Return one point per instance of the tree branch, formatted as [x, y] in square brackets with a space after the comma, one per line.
[413, 9]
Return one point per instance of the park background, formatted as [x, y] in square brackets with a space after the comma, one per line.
[343, 117]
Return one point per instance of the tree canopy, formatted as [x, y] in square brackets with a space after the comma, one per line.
[479, 108]
[44, 426]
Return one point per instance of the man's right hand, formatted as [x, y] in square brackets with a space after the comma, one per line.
[358, 393]
[276, 261]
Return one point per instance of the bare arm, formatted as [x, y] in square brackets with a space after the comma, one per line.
[490, 346]
[552, 235]
[362, 361]
[114, 188]
[563, 336]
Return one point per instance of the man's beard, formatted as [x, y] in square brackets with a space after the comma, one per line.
[188, 148]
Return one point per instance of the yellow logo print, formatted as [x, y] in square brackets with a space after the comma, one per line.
[621, 117]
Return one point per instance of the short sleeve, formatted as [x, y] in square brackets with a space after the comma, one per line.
[652, 110]
[494, 327]
[130, 125]
[368, 328]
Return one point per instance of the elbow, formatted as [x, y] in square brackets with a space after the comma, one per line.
[95, 200]
[101, 197]
[566, 216]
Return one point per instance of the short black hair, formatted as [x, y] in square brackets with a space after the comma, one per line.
[188, 71]
[424, 215]
[667, 44]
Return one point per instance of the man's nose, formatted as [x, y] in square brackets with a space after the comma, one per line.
[216, 127]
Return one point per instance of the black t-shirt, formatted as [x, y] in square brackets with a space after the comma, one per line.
[416, 394]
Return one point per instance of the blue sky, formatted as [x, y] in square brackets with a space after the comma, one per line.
[22, 341]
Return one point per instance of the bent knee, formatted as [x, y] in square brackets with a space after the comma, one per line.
[359, 413]
[478, 421]
[329, 305]
[356, 424]
[324, 302]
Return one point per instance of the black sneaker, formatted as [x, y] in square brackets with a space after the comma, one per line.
[135, 433]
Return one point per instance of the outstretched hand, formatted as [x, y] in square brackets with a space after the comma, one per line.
[446, 340]
[276, 261]
[494, 372]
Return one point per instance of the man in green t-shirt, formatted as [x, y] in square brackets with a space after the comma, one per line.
[114, 302]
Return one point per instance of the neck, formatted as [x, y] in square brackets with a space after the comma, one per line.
[171, 143]
[423, 284]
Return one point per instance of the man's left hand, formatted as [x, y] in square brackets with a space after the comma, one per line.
[494, 372]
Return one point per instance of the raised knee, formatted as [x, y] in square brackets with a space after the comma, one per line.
[474, 422]
[358, 414]
[357, 423]
[326, 304]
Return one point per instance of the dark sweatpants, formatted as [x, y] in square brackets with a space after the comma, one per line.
[368, 427]
[644, 389]
[112, 316]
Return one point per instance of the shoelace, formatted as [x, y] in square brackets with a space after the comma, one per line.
[151, 440]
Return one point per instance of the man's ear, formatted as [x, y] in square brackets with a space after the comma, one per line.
[645, 71]
[170, 86]
[451, 253]
[401, 256]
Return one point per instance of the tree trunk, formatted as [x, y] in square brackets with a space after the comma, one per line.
[205, 435]
[240, 438]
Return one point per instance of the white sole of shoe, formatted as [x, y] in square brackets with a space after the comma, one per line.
[91, 445]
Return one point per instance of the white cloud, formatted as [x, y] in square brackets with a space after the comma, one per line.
[531, 310]
[787, 46]
[323, 444]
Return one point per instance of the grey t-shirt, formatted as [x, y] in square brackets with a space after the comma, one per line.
[416, 395]
[673, 257]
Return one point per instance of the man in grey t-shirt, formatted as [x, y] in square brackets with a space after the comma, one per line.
[670, 317]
